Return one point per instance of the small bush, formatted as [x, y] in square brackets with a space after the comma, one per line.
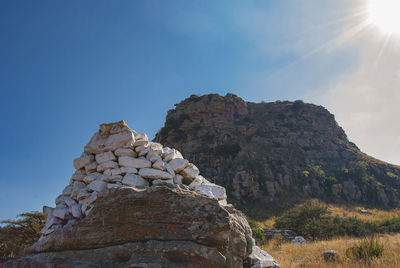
[367, 249]
[392, 175]
[258, 233]
[297, 104]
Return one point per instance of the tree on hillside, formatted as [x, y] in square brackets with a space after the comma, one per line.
[16, 235]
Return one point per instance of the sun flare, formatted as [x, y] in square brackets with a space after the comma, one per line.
[385, 14]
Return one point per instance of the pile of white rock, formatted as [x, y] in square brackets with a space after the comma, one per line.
[116, 156]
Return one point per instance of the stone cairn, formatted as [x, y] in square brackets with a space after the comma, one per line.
[116, 156]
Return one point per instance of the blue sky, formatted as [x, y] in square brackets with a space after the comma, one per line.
[67, 66]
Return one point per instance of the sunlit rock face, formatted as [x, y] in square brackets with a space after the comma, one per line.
[135, 203]
[271, 155]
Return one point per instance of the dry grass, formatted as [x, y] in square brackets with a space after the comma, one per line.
[291, 255]
[346, 212]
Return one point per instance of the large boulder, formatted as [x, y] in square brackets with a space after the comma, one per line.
[145, 218]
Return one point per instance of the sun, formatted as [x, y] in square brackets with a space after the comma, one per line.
[385, 14]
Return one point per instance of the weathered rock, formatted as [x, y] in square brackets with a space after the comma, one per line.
[97, 186]
[178, 179]
[135, 180]
[159, 165]
[133, 162]
[299, 240]
[164, 213]
[155, 182]
[178, 164]
[104, 157]
[90, 168]
[212, 190]
[60, 212]
[103, 141]
[67, 190]
[125, 152]
[330, 255]
[91, 177]
[107, 165]
[111, 178]
[146, 254]
[77, 176]
[261, 259]
[83, 160]
[128, 170]
[190, 172]
[151, 173]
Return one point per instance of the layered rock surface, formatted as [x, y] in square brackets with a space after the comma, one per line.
[135, 203]
[276, 154]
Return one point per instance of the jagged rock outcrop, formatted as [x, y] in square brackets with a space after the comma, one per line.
[135, 203]
[276, 153]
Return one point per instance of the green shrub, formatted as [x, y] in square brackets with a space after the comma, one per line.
[16, 235]
[367, 249]
[297, 104]
[392, 175]
[258, 233]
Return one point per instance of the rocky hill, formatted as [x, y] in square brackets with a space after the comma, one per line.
[276, 153]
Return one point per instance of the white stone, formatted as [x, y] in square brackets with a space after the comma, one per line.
[100, 143]
[48, 211]
[91, 177]
[197, 181]
[178, 164]
[107, 172]
[178, 179]
[88, 201]
[173, 154]
[83, 195]
[118, 140]
[140, 148]
[83, 160]
[155, 158]
[116, 171]
[125, 152]
[169, 169]
[262, 258]
[166, 151]
[142, 136]
[190, 172]
[77, 177]
[159, 165]
[155, 182]
[67, 190]
[107, 165]
[51, 221]
[128, 170]
[104, 157]
[78, 186]
[135, 180]
[212, 190]
[133, 162]
[97, 186]
[65, 201]
[223, 202]
[140, 143]
[111, 178]
[76, 212]
[60, 212]
[151, 173]
[299, 240]
[144, 152]
[90, 168]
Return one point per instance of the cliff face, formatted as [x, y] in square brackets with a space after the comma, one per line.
[276, 153]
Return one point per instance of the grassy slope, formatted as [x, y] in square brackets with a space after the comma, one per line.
[309, 255]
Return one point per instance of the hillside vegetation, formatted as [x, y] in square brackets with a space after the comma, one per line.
[272, 156]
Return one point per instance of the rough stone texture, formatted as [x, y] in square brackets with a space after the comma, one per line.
[163, 213]
[149, 254]
[151, 173]
[276, 154]
[133, 162]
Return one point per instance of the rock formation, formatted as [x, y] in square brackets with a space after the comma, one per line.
[271, 155]
[135, 203]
